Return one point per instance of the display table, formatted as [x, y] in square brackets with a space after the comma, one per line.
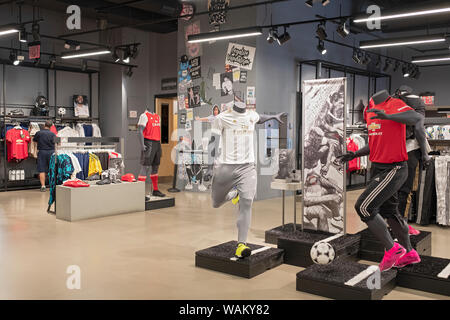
[74, 204]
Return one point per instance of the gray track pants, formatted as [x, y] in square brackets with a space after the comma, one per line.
[242, 177]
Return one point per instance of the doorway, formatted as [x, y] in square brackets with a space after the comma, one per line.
[165, 108]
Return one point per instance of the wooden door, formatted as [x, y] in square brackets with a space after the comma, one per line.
[164, 108]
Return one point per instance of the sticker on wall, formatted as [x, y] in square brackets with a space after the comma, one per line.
[218, 11]
[240, 56]
[194, 100]
[183, 116]
[188, 11]
[216, 81]
[132, 114]
[181, 102]
[185, 69]
[251, 96]
[193, 49]
[236, 75]
[226, 106]
[226, 83]
[188, 126]
[228, 68]
[195, 68]
[243, 77]
[190, 115]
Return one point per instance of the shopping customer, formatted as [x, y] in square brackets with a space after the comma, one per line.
[46, 146]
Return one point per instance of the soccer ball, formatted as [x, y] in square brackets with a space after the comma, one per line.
[61, 111]
[322, 253]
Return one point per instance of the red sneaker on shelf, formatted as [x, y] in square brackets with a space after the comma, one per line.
[411, 257]
[391, 257]
[413, 232]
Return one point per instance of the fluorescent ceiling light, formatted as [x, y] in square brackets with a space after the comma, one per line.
[401, 41]
[434, 58]
[404, 15]
[8, 30]
[84, 53]
[222, 35]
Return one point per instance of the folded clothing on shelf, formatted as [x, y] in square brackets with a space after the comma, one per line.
[75, 184]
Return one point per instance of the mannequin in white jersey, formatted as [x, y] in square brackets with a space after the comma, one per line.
[234, 176]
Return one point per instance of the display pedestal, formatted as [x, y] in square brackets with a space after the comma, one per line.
[159, 203]
[297, 246]
[221, 258]
[372, 250]
[272, 235]
[430, 275]
[344, 280]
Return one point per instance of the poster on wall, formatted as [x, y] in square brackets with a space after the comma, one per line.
[226, 83]
[236, 75]
[188, 11]
[194, 100]
[241, 56]
[196, 72]
[81, 106]
[181, 102]
[251, 96]
[193, 49]
[218, 11]
[323, 140]
[243, 77]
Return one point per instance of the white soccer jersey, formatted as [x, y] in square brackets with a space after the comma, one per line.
[236, 130]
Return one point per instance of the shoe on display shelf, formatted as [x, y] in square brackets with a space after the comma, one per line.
[413, 231]
[391, 257]
[157, 193]
[242, 251]
[104, 181]
[411, 257]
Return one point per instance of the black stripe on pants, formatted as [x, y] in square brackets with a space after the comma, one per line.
[381, 195]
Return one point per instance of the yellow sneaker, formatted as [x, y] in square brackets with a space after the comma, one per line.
[235, 200]
[242, 251]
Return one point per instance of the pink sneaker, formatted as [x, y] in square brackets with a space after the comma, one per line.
[413, 232]
[391, 257]
[411, 257]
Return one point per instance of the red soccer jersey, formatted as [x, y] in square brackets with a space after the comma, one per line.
[152, 129]
[387, 138]
[354, 164]
[17, 144]
[53, 129]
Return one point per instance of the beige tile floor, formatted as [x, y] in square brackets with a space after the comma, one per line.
[146, 255]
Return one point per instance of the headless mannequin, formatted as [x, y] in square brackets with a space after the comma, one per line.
[398, 225]
[146, 171]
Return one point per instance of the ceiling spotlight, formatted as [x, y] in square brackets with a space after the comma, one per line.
[406, 71]
[285, 37]
[378, 62]
[273, 36]
[115, 56]
[357, 55]
[309, 3]
[325, 2]
[366, 59]
[342, 29]
[129, 72]
[84, 65]
[35, 31]
[52, 61]
[396, 66]
[321, 33]
[126, 55]
[15, 58]
[387, 65]
[135, 52]
[72, 44]
[321, 47]
[23, 37]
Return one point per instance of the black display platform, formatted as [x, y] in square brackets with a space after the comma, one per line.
[221, 258]
[372, 250]
[329, 281]
[424, 276]
[272, 235]
[159, 203]
[297, 246]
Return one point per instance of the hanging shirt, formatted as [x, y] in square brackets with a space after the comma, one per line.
[354, 164]
[236, 130]
[94, 165]
[17, 144]
[152, 126]
[387, 138]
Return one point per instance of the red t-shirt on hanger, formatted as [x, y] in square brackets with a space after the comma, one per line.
[17, 144]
